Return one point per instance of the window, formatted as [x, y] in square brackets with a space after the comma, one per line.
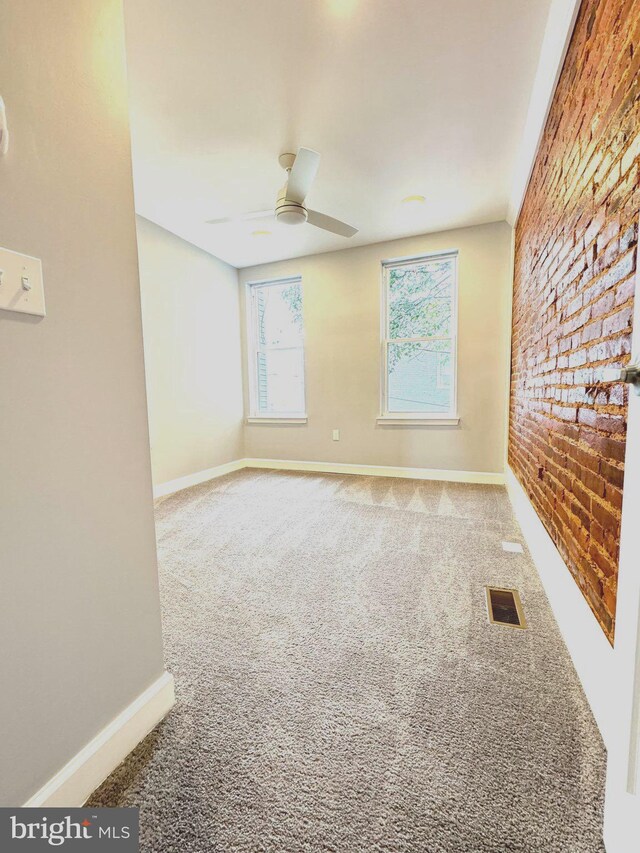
[276, 350]
[419, 339]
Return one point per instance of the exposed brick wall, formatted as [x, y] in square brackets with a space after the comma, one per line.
[575, 255]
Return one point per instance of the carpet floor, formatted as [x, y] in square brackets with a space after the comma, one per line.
[339, 686]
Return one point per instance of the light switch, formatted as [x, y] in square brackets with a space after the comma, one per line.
[21, 284]
[336, 435]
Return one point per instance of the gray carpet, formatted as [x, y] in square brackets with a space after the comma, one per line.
[339, 686]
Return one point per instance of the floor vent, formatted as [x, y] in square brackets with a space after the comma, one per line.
[505, 608]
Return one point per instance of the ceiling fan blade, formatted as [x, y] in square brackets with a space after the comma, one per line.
[320, 220]
[302, 174]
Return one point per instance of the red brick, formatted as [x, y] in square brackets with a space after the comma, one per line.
[612, 474]
[608, 520]
[574, 283]
[602, 560]
[618, 322]
[625, 291]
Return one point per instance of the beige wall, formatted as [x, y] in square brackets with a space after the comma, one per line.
[342, 328]
[191, 320]
[79, 610]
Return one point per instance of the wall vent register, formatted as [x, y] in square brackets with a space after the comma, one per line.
[504, 607]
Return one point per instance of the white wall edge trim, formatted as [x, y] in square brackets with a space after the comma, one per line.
[489, 477]
[590, 651]
[185, 482]
[78, 779]
[495, 478]
[555, 43]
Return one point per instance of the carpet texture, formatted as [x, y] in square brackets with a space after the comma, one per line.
[339, 687]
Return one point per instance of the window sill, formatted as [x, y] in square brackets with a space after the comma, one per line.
[437, 420]
[271, 420]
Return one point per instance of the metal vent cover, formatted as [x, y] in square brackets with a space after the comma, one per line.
[504, 607]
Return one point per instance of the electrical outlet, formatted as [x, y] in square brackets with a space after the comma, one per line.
[336, 435]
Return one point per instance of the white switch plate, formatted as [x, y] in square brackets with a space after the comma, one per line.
[27, 297]
[336, 435]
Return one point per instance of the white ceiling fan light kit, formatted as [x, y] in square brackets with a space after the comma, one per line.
[301, 171]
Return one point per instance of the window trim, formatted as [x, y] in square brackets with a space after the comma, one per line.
[448, 418]
[254, 416]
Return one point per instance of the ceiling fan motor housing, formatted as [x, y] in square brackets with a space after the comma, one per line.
[290, 213]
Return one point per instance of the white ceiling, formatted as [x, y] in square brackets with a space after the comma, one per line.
[400, 97]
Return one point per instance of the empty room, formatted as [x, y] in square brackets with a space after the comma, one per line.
[320, 434]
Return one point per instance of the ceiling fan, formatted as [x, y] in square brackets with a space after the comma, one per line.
[301, 169]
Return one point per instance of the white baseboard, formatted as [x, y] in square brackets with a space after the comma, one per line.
[78, 779]
[172, 486]
[590, 650]
[379, 471]
[489, 477]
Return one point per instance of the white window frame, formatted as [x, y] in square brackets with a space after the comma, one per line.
[251, 288]
[386, 417]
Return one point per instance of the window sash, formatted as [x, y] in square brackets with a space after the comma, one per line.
[256, 349]
[386, 341]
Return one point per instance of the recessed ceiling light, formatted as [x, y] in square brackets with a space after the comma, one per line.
[414, 199]
[260, 233]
